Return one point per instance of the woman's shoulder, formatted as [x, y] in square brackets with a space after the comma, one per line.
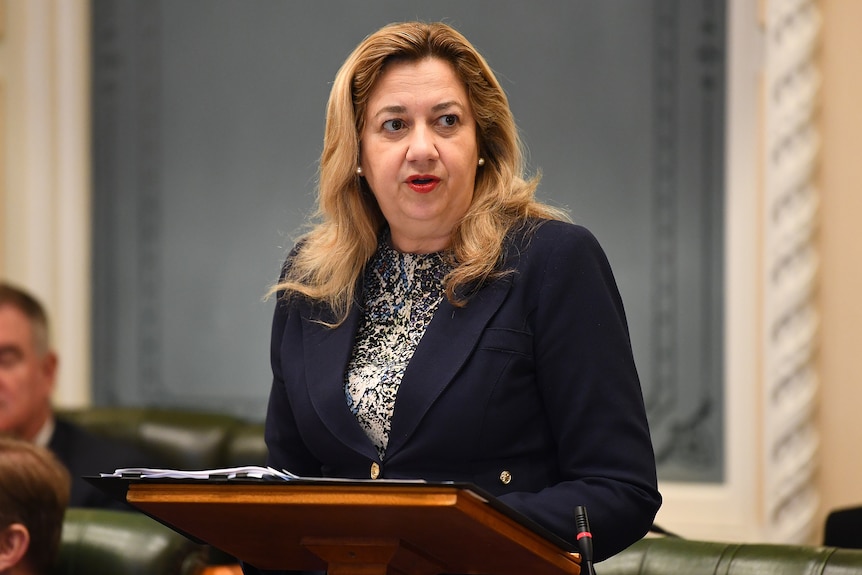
[547, 234]
[554, 245]
[564, 251]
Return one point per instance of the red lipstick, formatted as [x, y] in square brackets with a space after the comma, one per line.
[422, 183]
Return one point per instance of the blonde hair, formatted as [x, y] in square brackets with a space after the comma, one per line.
[330, 258]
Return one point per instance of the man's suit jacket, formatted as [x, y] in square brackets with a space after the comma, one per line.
[85, 454]
[529, 391]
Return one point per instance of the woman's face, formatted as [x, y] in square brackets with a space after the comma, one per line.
[419, 152]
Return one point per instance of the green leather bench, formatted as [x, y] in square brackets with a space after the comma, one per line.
[178, 438]
[675, 556]
[175, 438]
[107, 542]
[185, 439]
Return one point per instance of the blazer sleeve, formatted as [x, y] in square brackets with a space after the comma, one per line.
[593, 400]
[285, 448]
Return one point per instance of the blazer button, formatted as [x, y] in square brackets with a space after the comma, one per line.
[375, 470]
[505, 477]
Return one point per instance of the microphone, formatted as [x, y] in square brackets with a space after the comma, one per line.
[585, 540]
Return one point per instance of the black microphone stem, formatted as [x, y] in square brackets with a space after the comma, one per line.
[585, 540]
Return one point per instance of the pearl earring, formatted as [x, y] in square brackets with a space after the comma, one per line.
[358, 170]
[481, 161]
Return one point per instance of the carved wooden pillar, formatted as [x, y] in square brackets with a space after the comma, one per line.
[790, 265]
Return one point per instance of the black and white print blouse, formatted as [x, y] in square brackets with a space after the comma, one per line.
[402, 291]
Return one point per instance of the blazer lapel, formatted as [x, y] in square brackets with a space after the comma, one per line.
[448, 342]
[327, 352]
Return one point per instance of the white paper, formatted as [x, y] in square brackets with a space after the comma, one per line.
[250, 471]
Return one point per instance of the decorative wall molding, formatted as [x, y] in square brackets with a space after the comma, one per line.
[790, 265]
[684, 396]
[150, 204]
[664, 342]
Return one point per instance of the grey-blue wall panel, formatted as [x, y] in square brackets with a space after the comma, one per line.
[207, 125]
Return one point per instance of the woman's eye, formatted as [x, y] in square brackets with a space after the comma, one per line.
[393, 125]
[448, 120]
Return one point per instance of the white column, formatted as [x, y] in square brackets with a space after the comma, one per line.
[791, 147]
[46, 232]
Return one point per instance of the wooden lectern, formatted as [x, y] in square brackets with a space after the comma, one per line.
[352, 527]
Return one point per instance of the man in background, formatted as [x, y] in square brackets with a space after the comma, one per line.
[34, 492]
[28, 370]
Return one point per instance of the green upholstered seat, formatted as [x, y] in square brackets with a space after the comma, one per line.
[178, 438]
[107, 542]
[186, 439]
[674, 556]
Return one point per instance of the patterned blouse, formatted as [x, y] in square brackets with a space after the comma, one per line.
[402, 292]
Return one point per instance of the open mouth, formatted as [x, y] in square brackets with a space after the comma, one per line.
[423, 183]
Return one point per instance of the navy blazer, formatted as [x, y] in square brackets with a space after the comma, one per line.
[529, 391]
[85, 454]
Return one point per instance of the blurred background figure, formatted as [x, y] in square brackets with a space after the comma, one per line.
[34, 493]
[28, 370]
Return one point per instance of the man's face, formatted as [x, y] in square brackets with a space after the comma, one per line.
[26, 376]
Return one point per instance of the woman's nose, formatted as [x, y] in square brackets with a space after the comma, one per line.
[422, 145]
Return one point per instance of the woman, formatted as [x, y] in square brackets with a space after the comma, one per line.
[438, 322]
